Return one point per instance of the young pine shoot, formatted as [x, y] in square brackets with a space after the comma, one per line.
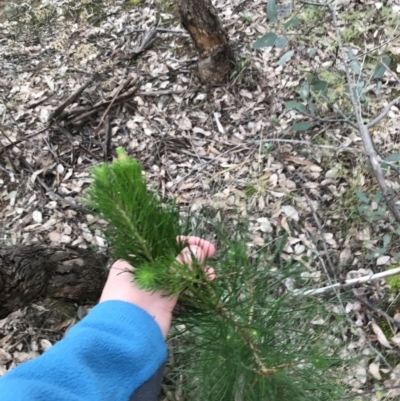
[240, 337]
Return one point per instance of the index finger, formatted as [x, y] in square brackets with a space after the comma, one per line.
[207, 247]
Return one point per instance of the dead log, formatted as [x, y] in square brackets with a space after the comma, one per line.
[31, 272]
[200, 19]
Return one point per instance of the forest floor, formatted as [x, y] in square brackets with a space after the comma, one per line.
[231, 147]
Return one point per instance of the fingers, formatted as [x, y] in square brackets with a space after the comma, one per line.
[207, 247]
[193, 251]
[189, 253]
[209, 272]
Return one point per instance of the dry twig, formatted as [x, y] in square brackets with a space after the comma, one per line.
[352, 282]
[70, 100]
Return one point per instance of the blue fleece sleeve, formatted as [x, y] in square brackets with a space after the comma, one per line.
[113, 351]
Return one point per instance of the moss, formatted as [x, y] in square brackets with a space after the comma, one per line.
[394, 281]
[131, 4]
[312, 14]
[385, 327]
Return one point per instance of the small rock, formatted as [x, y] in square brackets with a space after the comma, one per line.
[45, 344]
[65, 239]
[90, 219]
[37, 216]
[60, 168]
[87, 236]
[54, 236]
[99, 241]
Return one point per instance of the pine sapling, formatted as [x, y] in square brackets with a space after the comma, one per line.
[242, 336]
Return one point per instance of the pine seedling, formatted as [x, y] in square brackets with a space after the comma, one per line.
[141, 229]
[242, 336]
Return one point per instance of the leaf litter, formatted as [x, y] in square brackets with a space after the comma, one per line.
[203, 146]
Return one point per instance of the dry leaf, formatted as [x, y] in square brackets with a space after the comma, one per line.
[380, 335]
[54, 236]
[361, 375]
[219, 125]
[374, 370]
[396, 339]
[265, 225]
[291, 212]
[345, 256]
[382, 260]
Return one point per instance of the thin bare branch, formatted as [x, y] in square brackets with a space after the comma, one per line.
[127, 82]
[383, 113]
[70, 100]
[350, 283]
[374, 158]
[15, 143]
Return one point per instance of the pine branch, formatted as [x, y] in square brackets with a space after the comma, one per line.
[241, 336]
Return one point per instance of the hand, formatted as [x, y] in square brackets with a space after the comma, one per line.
[121, 287]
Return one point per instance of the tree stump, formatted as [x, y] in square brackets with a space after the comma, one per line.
[31, 272]
[200, 19]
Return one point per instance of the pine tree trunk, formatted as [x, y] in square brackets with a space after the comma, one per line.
[29, 273]
[200, 19]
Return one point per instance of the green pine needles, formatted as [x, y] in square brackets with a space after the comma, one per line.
[142, 230]
[240, 337]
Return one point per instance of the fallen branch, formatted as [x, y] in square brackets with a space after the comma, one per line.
[15, 143]
[127, 82]
[351, 282]
[70, 100]
[79, 113]
[147, 41]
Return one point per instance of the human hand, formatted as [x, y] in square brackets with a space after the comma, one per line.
[121, 287]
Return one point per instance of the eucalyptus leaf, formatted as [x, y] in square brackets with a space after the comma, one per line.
[319, 86]
[377, 197]
[293, 105]
[301, 126]
[286, 57]
[294, 22]
[312, 52]
[377, 89]
[267, 40]
[271, 11]
[311, 107]
[361, 196]
[394, 157]
[281, 42]
[305, 91]
[380, 69]
[358, 90]
[363, 208]
[376, 253]
[354, 63]
[386, 240]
